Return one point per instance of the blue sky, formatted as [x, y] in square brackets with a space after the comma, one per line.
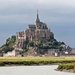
[59, 15]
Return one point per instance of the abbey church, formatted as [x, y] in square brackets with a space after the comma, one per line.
[39, 30]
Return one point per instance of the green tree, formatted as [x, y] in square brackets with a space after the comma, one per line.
[55, 43]
[31, 43]
[63, 43]
[6, 49]
[60, 48]
[9, 43]
[45, 47]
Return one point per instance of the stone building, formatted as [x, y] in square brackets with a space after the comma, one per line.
[39, 30]
[14, 53]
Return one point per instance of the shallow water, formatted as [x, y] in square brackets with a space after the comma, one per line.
[32, 70]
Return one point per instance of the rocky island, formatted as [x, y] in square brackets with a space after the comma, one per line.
[36, 40]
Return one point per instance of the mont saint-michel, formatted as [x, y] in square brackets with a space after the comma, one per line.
[36, 40]
[36, 31]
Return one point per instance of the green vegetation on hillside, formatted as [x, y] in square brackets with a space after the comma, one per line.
[39, 43]
[8, 46]
[43, 44]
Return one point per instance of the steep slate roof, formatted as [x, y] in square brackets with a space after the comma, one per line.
[31, 26]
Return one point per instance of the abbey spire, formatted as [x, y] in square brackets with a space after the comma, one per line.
[37, 19]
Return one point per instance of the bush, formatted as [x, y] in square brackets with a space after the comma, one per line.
[66, 66]
[2, 64]
[31, 44]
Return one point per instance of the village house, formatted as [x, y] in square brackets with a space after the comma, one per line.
[13, 53]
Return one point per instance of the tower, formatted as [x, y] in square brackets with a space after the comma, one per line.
[37, 22]
[37, 19]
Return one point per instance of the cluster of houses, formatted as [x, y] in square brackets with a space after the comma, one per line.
[14, 53]
[50, 52]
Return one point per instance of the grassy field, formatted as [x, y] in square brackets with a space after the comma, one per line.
[35, 60]
[68, 66]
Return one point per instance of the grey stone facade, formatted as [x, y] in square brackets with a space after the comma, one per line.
[39, 30]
